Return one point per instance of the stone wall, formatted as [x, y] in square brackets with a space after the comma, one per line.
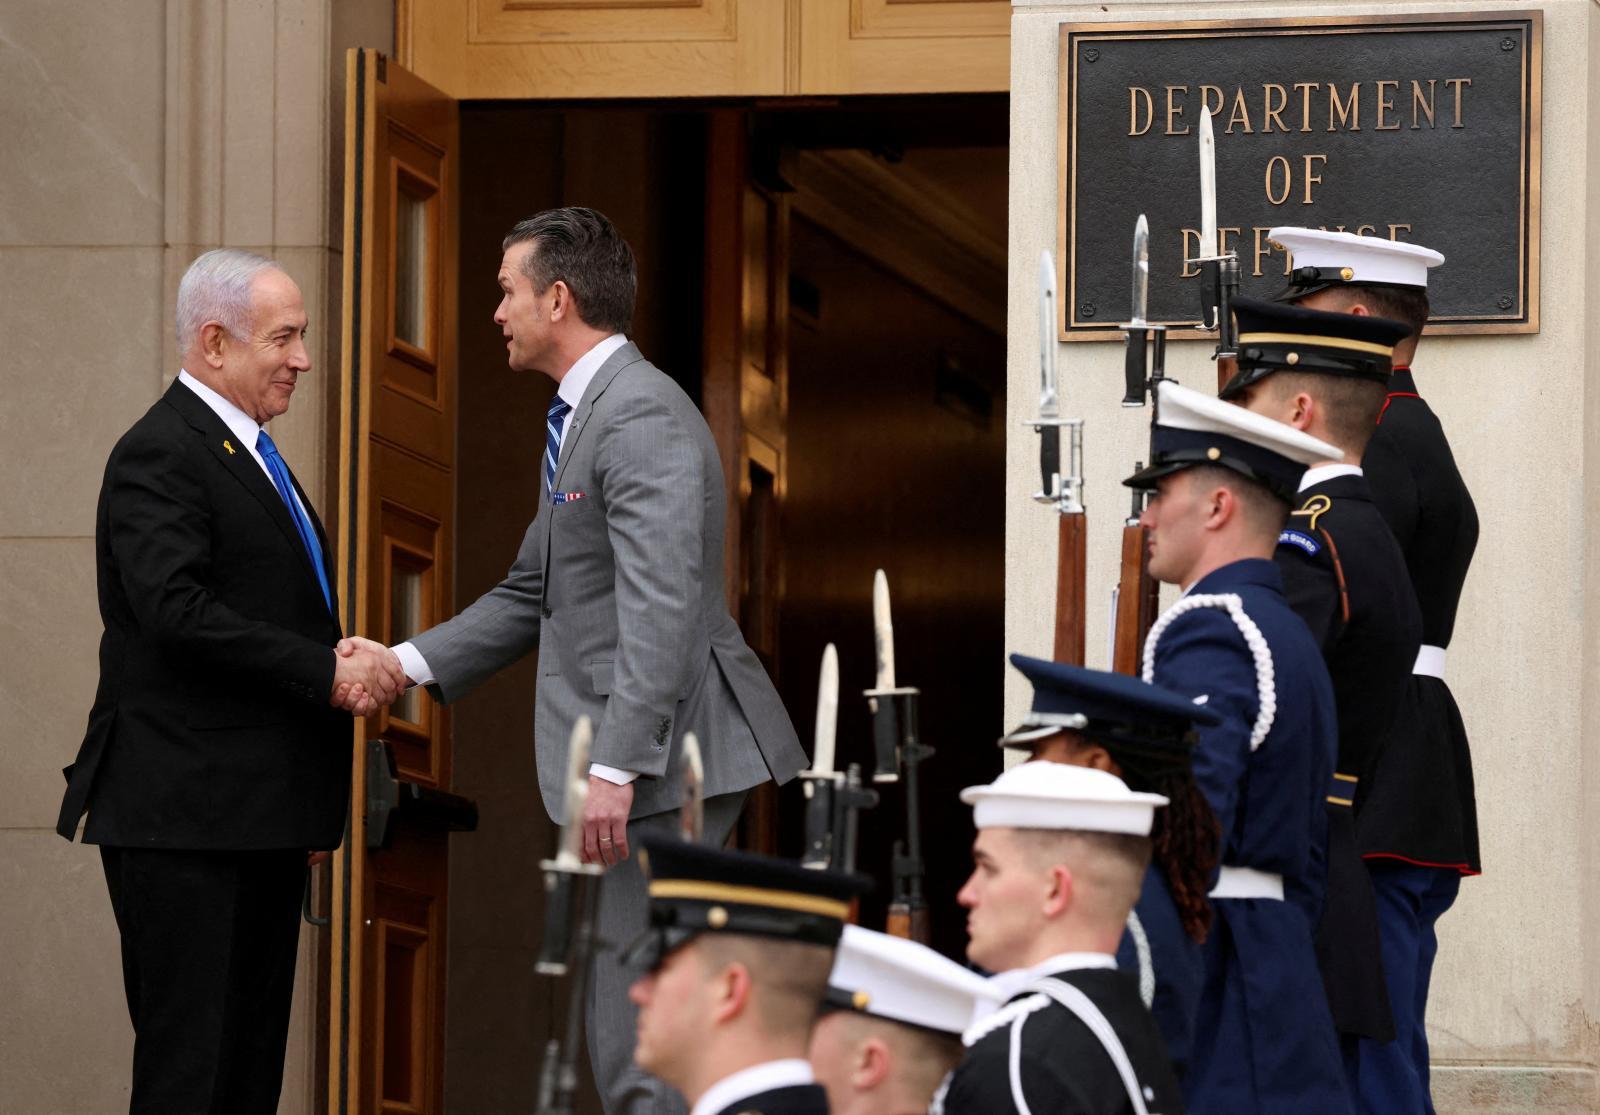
[137, 135]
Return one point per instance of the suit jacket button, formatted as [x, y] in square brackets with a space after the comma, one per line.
[545, 612]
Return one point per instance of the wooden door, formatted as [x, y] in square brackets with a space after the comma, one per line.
[745, 397]
[397, 518]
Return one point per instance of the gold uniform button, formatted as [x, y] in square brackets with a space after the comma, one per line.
[1213, 453]
[860, 1000]
[1292, 358]
[716, 917]
[1346, 274]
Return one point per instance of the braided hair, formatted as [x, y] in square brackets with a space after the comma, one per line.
[1185, 838]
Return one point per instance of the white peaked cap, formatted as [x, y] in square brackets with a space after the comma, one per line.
[906, 982]
[1369, 259]
[1045, 795]
[1184, 408]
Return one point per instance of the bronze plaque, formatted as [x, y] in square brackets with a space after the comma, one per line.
[1422, 128]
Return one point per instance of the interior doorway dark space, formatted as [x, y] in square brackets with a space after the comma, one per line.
[895, 459]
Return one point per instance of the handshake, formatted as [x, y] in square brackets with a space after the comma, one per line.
[367, 676]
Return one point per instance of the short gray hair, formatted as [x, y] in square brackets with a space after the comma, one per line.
[217, 288]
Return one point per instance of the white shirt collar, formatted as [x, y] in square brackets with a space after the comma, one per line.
[1327, 472]
[576, 381]
[1007, 984]
[752, 1082]
[243, 426]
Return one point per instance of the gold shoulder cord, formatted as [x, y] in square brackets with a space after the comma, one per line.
[1314, 508]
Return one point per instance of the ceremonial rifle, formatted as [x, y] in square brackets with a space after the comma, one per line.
[1219, 271]
[1135, 600]
[1063, 492]
[572, 899]
[833, 800]
[899, 755]
[692, 814]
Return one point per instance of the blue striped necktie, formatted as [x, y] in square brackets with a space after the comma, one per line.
[559, 409]
[302, 523]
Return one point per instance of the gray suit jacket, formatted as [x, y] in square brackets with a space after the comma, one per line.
[619, 584]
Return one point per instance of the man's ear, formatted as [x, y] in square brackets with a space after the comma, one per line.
[1302, 412]
[873, 1064]
[213, 339]
[560, 300]
[731, 992]
[1358, 309]
[1059, 900]
[1220, 507]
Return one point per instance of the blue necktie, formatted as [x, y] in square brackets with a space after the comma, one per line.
[559, 409]
[308, 535]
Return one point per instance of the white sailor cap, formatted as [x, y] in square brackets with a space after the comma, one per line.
[1193, 428]
[905, 982]
[1045, 795]
[1323, 259]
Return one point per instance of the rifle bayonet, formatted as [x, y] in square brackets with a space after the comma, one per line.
[821, 782]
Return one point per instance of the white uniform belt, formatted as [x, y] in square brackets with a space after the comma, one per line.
[1430, 662]
[1247, 882]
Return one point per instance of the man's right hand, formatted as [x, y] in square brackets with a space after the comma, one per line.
[366, 676]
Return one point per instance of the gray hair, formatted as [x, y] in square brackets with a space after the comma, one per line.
[217, 288]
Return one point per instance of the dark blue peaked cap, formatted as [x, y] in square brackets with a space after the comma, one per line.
[695, 889]
[1280, 337]
[1148, 730]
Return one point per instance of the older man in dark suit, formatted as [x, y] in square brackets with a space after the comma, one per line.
[213, 762]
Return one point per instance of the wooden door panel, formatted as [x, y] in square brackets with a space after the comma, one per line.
[522, 49]
[904, 46]
[396, 540]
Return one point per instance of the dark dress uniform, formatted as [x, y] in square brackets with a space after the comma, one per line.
[1263, 1038]
[1062, 1066]
[1167, 963]
[1343, 573]
[1418, 826]
[802, 1099]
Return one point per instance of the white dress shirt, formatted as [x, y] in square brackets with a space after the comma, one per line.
[752, 1082]
[1327, 472]
[240, 424]
[571, 391]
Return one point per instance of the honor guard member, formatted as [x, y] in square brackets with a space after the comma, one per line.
[1144, 735]
[891, 1031]
[736, 963]
[1328, 374]
[1059, 858]
[1418, 824]
[1223, 479]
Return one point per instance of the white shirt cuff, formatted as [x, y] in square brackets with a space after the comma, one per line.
[412, 662]
[610, 774]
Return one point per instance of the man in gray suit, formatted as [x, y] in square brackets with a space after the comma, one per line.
[619, 584]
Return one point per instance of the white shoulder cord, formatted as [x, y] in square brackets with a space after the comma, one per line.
[1266, 690]
[1079, 1004]
[1015, 1065]
[1141, 951]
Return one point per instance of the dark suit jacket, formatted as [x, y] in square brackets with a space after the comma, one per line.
[211, 727]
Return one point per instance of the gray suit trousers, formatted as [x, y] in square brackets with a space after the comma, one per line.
[625, 1088]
